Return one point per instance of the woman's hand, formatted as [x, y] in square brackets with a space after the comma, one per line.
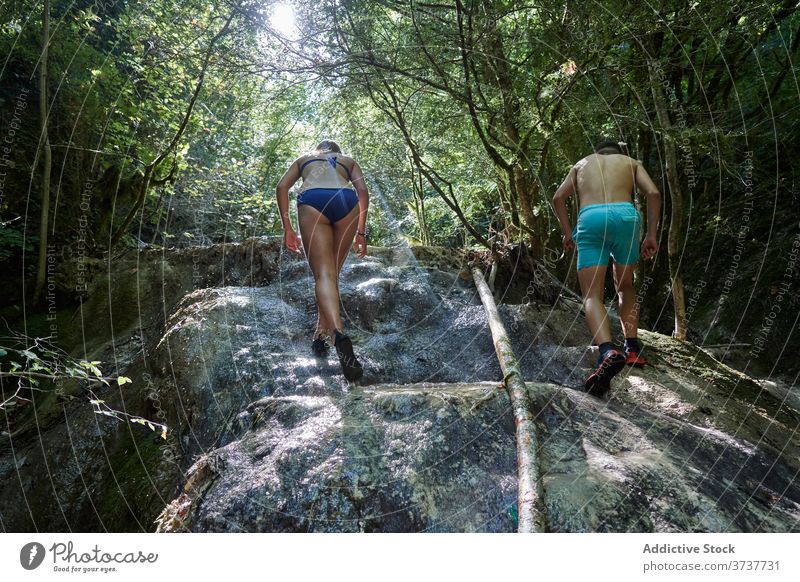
[360, 245]
[292, 241]
[567, 242]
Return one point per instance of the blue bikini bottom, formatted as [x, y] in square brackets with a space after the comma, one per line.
[334, 203]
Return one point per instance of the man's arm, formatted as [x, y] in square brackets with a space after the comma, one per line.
[568, 186]
[288, 179]
[646, 186]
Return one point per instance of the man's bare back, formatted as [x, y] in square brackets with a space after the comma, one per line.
[604, 178]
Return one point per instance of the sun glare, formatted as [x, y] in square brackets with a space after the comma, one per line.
[282, 20]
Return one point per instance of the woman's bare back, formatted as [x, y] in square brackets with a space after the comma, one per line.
[320, 171]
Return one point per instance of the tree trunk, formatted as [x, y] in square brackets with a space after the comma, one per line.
[676, 202]
[524, 191]
[530, 506]
[385, 98]
[152, 167]
[522, 186]
[419, 204]
[643, 149]
[426, 230]
[44, 140]
[506, 134]
[508, 204]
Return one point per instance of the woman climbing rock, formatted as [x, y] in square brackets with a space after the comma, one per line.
[332, 213]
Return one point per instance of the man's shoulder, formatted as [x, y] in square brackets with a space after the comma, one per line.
[628, 159]
[617, 158]
[624, 159]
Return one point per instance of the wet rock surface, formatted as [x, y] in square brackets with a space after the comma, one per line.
[267, 437]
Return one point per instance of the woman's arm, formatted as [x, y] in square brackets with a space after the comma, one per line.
[290, 238]
[357, 178]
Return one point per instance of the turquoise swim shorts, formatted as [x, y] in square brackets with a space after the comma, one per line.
[607, 229]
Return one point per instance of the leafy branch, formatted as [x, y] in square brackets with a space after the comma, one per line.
[42, 361]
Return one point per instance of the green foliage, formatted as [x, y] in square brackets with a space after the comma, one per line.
[42, 364]
[12, 241]
[470, 108]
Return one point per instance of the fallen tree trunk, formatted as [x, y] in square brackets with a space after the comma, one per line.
[529, 500]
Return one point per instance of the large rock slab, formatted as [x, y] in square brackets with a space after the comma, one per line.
[265, 437]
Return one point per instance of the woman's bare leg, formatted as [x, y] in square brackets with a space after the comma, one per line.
[317, 233]
[344, 231]
[322, 330]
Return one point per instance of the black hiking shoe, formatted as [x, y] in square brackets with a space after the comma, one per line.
[599, 383]
[319, 347]
[351, 367]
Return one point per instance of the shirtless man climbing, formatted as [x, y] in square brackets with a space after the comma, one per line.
[609, 225]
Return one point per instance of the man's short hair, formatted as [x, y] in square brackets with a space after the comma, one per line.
[608, 144]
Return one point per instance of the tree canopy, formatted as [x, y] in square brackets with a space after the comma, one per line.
[169, 124]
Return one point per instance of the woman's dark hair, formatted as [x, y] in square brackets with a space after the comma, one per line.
[328, 145]
[607, 144]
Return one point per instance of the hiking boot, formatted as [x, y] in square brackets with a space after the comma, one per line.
[351, 367]
[599, 382]
[319, 347]
[635, 358]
